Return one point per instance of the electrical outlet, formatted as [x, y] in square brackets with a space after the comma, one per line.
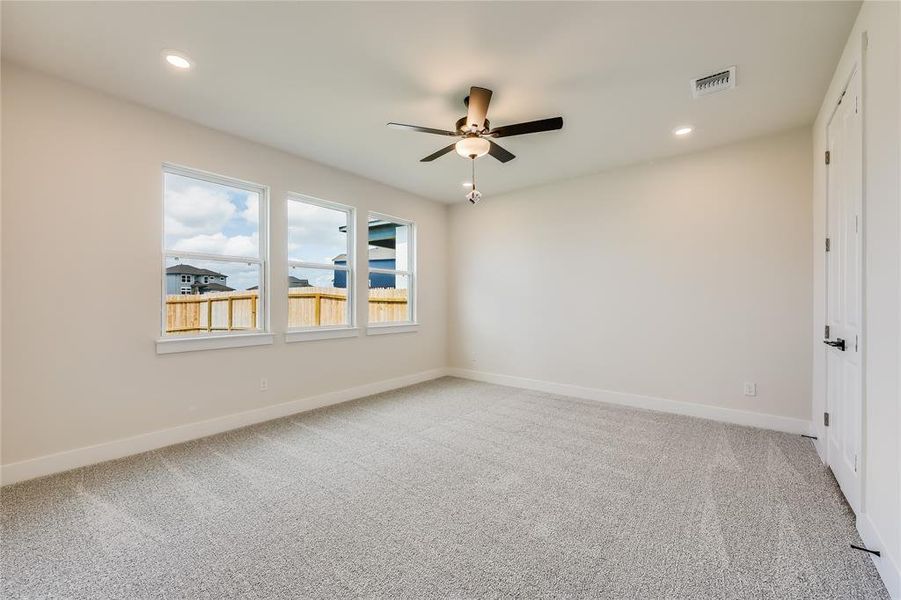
[750, 389]
[264, 384]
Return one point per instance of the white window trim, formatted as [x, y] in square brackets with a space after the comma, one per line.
[399, 327]
[396, 326]
[172, 345]
[302, 334]
[179, 342]
[321, 333]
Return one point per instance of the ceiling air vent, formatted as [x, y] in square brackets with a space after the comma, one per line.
[711, 84]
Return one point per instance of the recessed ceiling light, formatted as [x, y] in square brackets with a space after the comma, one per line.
[177, 60]
[683, 130]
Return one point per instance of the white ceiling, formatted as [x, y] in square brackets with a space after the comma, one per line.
[321, 80]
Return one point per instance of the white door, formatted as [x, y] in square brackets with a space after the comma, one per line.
[844, 310]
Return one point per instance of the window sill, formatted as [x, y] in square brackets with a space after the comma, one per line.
[392, 328]
[213, 342]
[310, 335]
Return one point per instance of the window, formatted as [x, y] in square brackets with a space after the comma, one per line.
[391, 270]
[214, 229]
[320, 264]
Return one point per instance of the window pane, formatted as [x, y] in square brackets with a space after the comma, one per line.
[210, 218]
[317, 298]
[389, 244]
[316, 234]
[389, 298]
[206, 296]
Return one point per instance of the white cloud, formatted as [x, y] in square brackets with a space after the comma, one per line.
[251, 214]
[196, 210]
[313, 232]
[218, 243]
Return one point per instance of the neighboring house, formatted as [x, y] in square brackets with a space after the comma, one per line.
[383, 243]
[379, 258]
[293, 282]
[187, 279]
[296, 282]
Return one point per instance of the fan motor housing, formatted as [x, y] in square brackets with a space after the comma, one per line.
[461, 125]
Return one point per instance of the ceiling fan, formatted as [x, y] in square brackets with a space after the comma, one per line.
[474, 130]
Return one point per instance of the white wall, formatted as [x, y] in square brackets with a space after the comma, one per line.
[880, 523]
[679, 279]
[82, 198]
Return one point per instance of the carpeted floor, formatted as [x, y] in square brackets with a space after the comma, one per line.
[447, 489]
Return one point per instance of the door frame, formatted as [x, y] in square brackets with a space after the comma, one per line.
[857, 66]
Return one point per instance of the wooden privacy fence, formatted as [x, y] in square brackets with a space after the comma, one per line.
[307, 307]
[387, 305]
[219, 311]
[312, 306]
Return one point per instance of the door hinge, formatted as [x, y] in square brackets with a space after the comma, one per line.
[828, 156]
[828, 244]
[826, 333]
[826, 419]
[855, 343]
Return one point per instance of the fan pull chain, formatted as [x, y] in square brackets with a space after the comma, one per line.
[474, 195]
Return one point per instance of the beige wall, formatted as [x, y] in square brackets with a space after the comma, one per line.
[82, 220]
[880, 523]
[681, 279]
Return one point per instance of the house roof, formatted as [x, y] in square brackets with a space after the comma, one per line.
[375, 253]
[293, 282]
[191, 270]
[214, 287]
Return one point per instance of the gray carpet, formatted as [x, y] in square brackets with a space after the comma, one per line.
[448, 489]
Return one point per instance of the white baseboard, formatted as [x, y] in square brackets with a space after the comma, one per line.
[887, 565]
[704, 411]
[80, 457]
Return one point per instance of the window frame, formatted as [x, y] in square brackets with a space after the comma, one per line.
[167, 342]
[318, 332]
[412, 324]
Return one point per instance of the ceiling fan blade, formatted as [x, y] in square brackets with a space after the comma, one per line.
[438, 154]
[422, 129]
[530, 127]
[479, 98]
[499, 153]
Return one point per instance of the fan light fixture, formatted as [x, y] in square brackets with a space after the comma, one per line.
[472, 146]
